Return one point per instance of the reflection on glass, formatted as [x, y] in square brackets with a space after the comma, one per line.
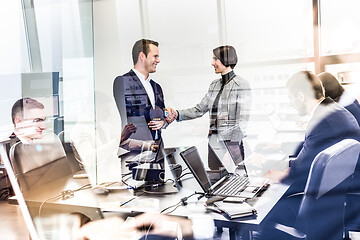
[348, 74]
[270, 30]
[339, 23]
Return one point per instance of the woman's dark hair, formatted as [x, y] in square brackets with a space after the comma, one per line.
[227, 55]
[331, 85]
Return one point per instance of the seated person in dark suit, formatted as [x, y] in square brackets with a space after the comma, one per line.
[334, 90]
[330, 123]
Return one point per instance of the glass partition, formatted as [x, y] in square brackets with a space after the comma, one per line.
[270, 30]
[66, 54]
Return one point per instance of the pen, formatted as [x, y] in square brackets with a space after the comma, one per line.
[127, 201]
[121, 188]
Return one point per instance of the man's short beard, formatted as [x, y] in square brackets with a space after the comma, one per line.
[301, 109]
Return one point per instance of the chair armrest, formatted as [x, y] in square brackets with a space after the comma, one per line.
[296, 194]
[290, 230]
[353, 194]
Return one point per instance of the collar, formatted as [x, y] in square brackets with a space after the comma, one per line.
[227, 77]
[24, 140]
[346, 99]
[140, 75]
[314, 109]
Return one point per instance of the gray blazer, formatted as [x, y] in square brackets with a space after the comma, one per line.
[233, 110]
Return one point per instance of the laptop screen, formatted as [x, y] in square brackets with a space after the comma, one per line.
[220, 153]
[235, 152]
[162, 152]
[193, 161]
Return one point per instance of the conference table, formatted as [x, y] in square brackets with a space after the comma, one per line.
[133, 202]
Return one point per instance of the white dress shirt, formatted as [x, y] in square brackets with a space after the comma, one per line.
[147, 85]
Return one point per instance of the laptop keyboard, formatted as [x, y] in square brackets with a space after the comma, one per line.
[143, 157]
[234, 186]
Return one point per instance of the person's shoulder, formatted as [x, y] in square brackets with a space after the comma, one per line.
[216, 81]
[243, 83]
[356, 103]
[129, 74]
[334, 113]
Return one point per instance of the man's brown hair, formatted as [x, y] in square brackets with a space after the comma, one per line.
[306, 82]
[22, 104]
[142, 45]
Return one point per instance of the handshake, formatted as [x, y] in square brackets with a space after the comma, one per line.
[171, 115]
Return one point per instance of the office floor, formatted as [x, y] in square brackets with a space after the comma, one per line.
[12, 225]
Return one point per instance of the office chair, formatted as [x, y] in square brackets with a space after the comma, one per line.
[71, 153]
[321, 213]
[352, 207]
[38, 164]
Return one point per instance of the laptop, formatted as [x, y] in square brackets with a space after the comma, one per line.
[283, 126]
[229, 184]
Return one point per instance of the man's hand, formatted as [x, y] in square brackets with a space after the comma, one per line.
[267, 147]
[164, 225]
[147, 223]
[156, 124]
[127, 131]
[154, 147]
[277, 175]
[173, 114]
[110, 228]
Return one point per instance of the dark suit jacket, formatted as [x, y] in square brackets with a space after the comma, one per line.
[330, 124]
[132, 100]
[354, 109]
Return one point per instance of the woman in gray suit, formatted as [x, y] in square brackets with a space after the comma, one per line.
[228, 100]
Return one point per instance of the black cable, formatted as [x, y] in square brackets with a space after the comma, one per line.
[175, 207]
[126, 174]
[183, 175]
[183, 202]
[123, 181]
